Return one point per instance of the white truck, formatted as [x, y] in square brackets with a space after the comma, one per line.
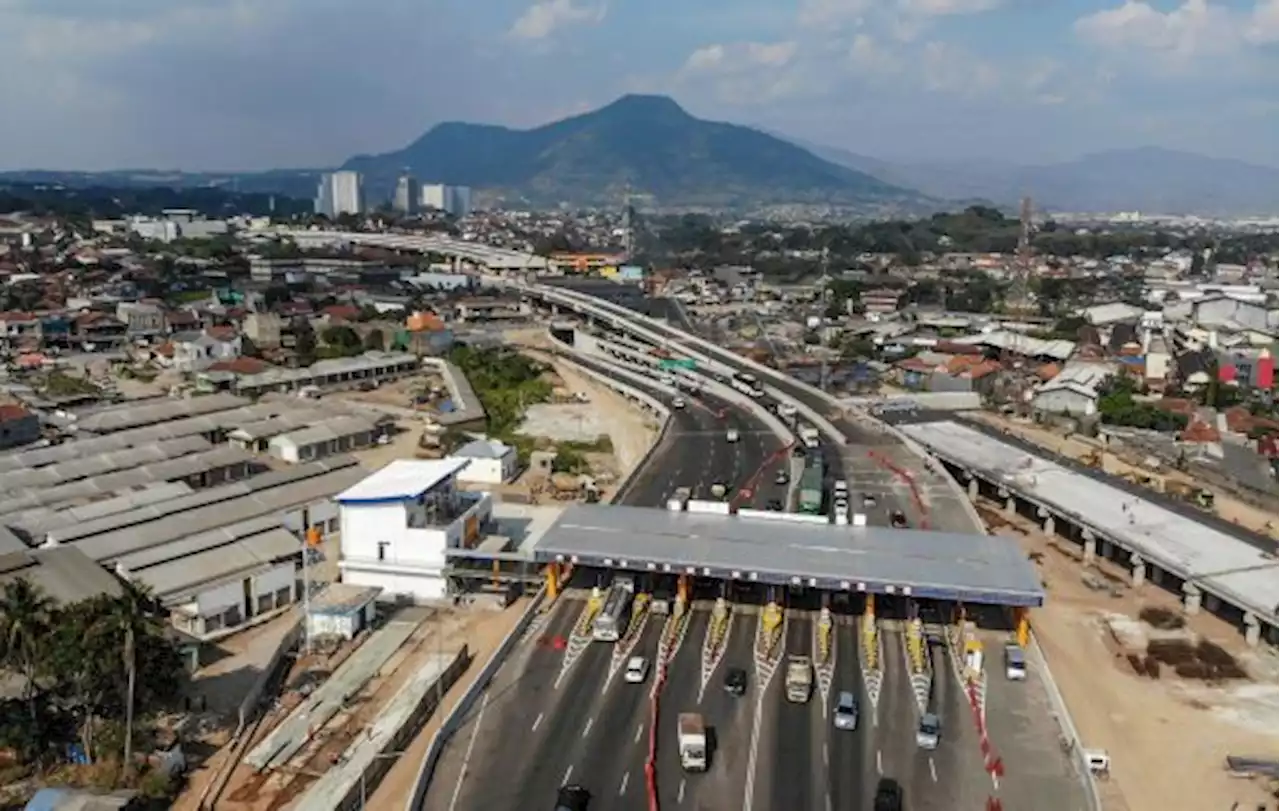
[693, 742]
[809, 436]
[678, 499]
[799, 679]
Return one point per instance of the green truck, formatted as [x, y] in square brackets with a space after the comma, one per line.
[810, 498]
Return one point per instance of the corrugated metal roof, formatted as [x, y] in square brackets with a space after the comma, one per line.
[326, 431]
[64, 574]
[119, 418]
[200, 498]
[975, 568]
[179, 468]
[110, 546]
[41, 520]
[86, 467]
[281, 424]
[183, 578]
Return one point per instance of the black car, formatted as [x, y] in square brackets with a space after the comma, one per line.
[774, 505]
[898, 519]
[783, 477]
[888, 796]
[735, 681]
[572, 798]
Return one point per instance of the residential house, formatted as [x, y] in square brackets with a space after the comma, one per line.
[1231, 314]
[1106, 314]
[263, 329]
[1194, 368]
[1156, 360]
[491, 462]
[197, 351]
[880, 301]
[99, 330]
[19, 329]
[1074, 391]
[141, 319]
[18, 426]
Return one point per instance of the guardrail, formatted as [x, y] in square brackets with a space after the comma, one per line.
[1067, 726]
[450, 723]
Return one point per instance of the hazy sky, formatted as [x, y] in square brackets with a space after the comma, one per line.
[248, 84]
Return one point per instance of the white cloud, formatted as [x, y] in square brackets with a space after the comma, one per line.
[541, 20]
[949, 69]
[820, 13]
[737, 57]
[868, 57]
[1181, 36]
[944, 8]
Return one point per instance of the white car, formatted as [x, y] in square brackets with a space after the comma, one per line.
[637, 669]
[731, 435]
[678, 403]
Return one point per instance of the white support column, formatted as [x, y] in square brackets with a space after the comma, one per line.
[1090, 547]
[1191, 597]
[1139, 570]
[1252, 630]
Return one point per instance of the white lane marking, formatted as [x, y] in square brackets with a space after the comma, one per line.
[587, 729]
[466, 757]
[753, 754]
[680, 793]
[879, 763]
[622, 789]
[826, 755]
[537, 722]
[933, 770]
[828, 802]
[995, 782]
[567, 774]
[639, 733]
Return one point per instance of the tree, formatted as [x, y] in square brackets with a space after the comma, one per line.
[128, 616]
[26, 616]
[304, 341]
[375, 340]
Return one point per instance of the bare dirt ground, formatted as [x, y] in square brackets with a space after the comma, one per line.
[1224, 505]
[445, 631]
[1167, 737]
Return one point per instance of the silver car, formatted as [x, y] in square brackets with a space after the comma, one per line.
[846, 712]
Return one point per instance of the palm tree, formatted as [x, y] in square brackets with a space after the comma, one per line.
[129, 615]
[25, 620]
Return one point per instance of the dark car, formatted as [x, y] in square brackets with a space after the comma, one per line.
[783, 477]
[888, 796]
[774, 505]
[735, 681]
[572, 798]
[898, 519]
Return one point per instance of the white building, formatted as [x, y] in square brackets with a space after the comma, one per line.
[455, 200]
[340, 193]
[491, 462]
[407, 195]
[397, 523]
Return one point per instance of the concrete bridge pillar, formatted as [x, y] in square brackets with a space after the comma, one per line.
[1010, 504]
[973, 489]
[1252, 630]
[1139, 570]
[1090, 547]
[1191, 597]
[1049, 527]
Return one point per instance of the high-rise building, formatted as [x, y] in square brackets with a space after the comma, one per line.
[455, 200]
[407, 194]
[340, 193]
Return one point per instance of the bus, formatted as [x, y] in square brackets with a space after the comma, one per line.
[611, 622]
[746, 383]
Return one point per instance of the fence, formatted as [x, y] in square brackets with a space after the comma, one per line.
[449, 725]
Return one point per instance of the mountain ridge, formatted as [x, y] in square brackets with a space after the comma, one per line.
[639, 144]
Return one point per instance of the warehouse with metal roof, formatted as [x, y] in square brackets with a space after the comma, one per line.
[198, 470]
[328, 437]
[86, 467]
[38, 521]
[136, 415]
[772, 549]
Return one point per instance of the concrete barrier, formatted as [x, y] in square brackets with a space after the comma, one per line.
[449, 725]
[1067, 727]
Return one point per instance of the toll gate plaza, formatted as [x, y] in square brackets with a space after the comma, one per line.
[952, 567]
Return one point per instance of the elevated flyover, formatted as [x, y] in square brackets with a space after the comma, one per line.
[1223, 569]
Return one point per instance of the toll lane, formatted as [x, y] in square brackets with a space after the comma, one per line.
[898, 717]
[851, 775]
[729, 721]
[612, 764]
[954, 775]
[521, 698]
[679, 694]
[798, 735]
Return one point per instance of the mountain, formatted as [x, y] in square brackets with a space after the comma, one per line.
[1147, 179]
[645, 144]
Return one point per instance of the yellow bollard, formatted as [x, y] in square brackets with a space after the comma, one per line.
[871, 604]
[1024, 626]
[553, 581]
[682, 588]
